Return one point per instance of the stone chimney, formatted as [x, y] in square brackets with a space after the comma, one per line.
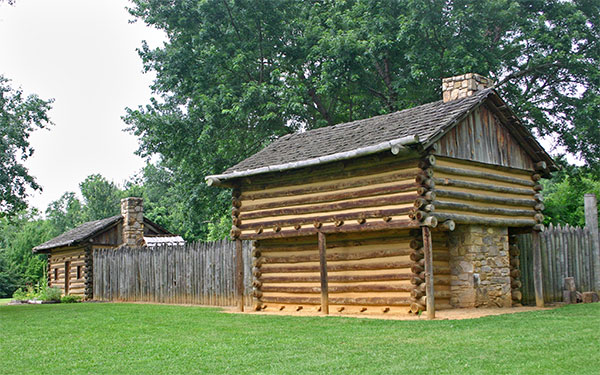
[464, 85]
[132, 210]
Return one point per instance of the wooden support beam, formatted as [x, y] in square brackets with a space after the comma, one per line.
[323, 273]
[472, 219]
[239, 274]
[427, 251]
[537, 268]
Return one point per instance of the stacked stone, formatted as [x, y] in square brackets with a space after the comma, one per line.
[464, 85]
[89, 274]
[480, 267]
[256, 283]
[132, 210]
[235, 214]
[423, 206]
[418, 294]
[515, 272]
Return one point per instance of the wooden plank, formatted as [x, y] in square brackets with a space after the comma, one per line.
[239, 274]
[591, 222]
[537, 269]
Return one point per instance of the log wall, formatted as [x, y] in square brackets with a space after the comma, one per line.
[369, 193]
[57, 272]
[366, 272]
[473, 193]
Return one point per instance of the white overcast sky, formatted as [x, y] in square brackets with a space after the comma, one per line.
[83, 54]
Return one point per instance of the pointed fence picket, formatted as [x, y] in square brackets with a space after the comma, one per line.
[567, 251]
[197, 273]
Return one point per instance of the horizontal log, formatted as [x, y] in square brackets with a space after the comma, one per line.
[419, 295]
[331, 256]
[427, 161]
[482, 186]
[299, 278]
[365, 301]
[483, 175]
[448, 225]
[331, 218]
[470, 219]
[348, 228]
[485, 198]
[416, 308]
[340, 288]
[337, 206]
[268, 247]
[483, 210]
[337, 267]
[333, 197]
[364, 166]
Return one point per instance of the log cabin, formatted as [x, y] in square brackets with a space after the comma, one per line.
[70, 265]
[404, 212]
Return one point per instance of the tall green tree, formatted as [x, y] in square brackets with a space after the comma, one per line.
[18, 235]
[234, 74]
[65, 213]
[20, 115]
[101, 198]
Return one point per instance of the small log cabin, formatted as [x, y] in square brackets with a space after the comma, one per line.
[70, 255]
[402, 212]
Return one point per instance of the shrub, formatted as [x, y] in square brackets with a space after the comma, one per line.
[70, 299]
[49, 294]
[40, 291]
[20, 295]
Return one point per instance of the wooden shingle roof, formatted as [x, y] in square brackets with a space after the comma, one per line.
[426, 123]
[79, 234]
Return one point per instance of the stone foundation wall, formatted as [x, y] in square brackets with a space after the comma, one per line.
[480, 266]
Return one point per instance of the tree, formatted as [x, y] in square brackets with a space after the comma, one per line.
[18, 265]
[19, 116]
[65, 213]
[563, 194]
[102, 198]
[236, 74]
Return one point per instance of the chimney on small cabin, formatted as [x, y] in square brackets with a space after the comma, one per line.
[132, 210]
[464, 85]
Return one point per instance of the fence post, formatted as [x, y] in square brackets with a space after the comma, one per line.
[591, 222]
[239, 273]
[537, 268]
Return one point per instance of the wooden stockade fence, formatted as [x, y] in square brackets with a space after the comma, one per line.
[566, 252]
[198, 273]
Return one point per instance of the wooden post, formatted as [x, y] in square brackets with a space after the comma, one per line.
[537, 268]
[323, 272]
[429, 291]
[239, 274]
[591, 222]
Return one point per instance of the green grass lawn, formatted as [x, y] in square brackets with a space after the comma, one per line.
[4, 301]
[158, 339]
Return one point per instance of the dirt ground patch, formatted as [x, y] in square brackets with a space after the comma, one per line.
[454, 314]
